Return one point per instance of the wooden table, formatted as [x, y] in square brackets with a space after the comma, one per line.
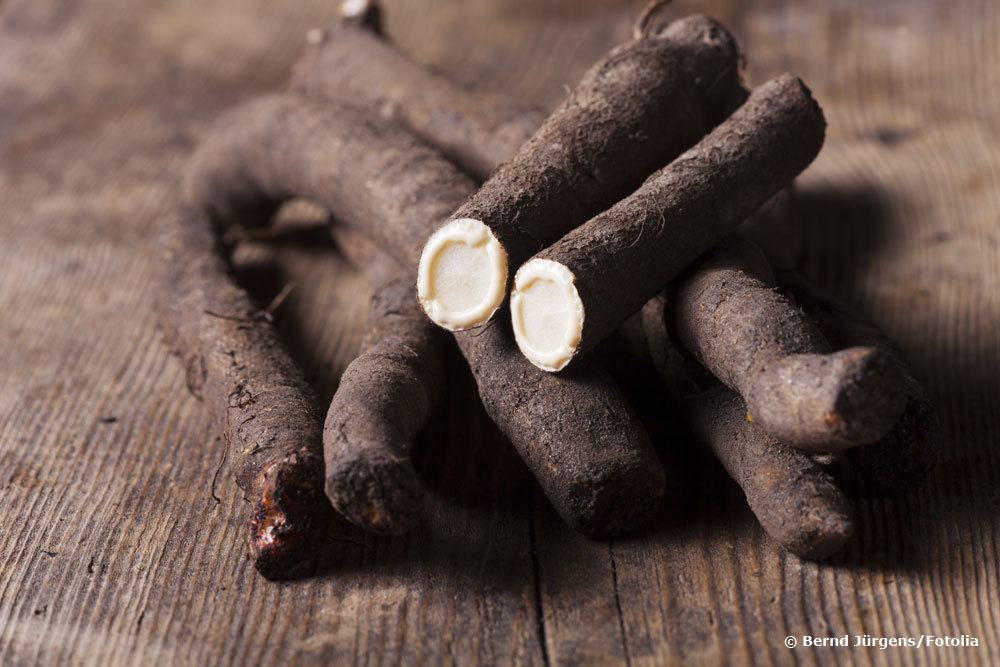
[117, 548]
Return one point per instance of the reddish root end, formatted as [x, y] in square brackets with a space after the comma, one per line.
[287, 524]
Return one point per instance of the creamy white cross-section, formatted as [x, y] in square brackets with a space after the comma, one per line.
[547, 313]
[462, 278]
[354, 8]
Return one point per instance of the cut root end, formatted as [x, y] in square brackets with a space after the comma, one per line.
[462, 277]
[546, 313]
[287, 524]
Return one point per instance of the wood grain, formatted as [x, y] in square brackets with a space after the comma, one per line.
[114, 549]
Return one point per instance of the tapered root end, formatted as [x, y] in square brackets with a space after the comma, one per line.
[797, 503]
[546, 314]
[462, 276]
[288, 523]
[829, 402]
[871, 396]
[618, 501]
[381, 494]
[820, 536]
[697, 29]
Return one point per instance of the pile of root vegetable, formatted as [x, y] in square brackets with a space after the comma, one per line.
[627, 230]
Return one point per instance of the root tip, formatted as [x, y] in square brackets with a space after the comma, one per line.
[872, 397]
[287, 525]
[825, 539]
[621, 504]
[383, 496]
[364, 13]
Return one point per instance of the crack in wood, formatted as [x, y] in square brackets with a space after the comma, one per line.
[618, 602]
[537, 578]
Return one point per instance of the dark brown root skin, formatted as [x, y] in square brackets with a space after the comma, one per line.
[577, 434]
[604, 498]
[383, 402]
[726, 312]
[903, 459]
[351, 61]
[633, 112]
[575, 431]
[330, 71]
[368, 432]
[352, 64]
[627, 254]
[270, 419]
[638, 108]
[267, 151]
[795, 500]
[615, 487]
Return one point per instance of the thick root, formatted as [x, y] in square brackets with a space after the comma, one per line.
[727, 313]
[271, 421]
[903, 458]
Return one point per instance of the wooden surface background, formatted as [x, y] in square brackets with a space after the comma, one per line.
[116, 549]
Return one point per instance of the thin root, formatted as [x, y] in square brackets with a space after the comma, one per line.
[278, 300]
[642, 24]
